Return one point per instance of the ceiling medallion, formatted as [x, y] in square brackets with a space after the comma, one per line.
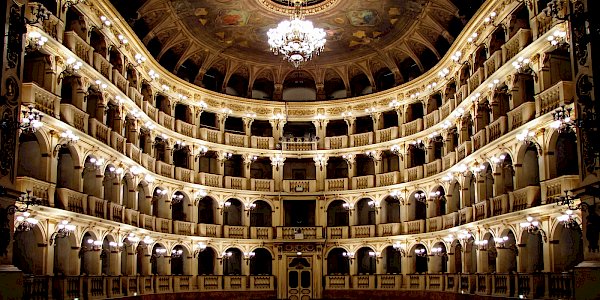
[296, 39]
[309, 7]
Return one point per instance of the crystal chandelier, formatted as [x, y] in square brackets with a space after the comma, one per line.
[296, 39]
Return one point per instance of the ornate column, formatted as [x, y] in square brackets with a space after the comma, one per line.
[221, 117]
[248, 160]
[221, 158]
[248, 126]
[351, 160]
[377, 124]
[277, 125]
[351, 122]
[321, 168]
[277, 163]
[321, 129]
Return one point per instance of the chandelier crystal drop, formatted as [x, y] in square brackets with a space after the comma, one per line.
[297, 40]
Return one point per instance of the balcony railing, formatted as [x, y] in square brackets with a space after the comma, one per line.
[336, 142]
[44, 101]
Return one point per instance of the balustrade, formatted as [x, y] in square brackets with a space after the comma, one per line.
[388, 134]
[413, 127]
[43, 100]
[363, 182]
[517, 43]
[74, 117]
[557, 187]
[561, 93]
[238, 140]
[496, 129]
[361, 139]
[262, 185]
[389, 178]
[336, 184]
[362, 231]
[524, 198]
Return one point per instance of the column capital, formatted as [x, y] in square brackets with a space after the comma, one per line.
[249, 158]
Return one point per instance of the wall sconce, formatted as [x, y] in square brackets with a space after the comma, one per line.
[202, 150]
[200, 247]
[64, 229]
[176, 253]
[139, 59]
[348, 114]
[179, 145]
[349, 207]
[394, 104]
[165, 88]
[418, 144]
[438, 251]
[249, 207]
[533, 227]
[376, 255]
[158, 252]
[523, 65]
[225, 256]
[116, 247]
[90, 245]
[25, 222]
[277, 161]
[443, 73]
[481, 245]
[25, 200]
[72, 66]
[490, 18]
[568, 220]
[320, 161]
[526, 136]
[464, 237]
[558, 38]
[249, 256]
[227, 155]
[100, 86]
[224, 206]
[400, 248]
[35, 41]
[397, 196]
[501, 242]
[122, 39]
[421, 252]
[456, 56]
[131, 239]
[349, 158]
[105, 21]
[177, 198]
[199, 195]
[472, 38]
[349, 256]
[153, 75]
[31, 121]
[147, 241]
[437, 196]
[371, 154]
[421, 197]
[562, 119]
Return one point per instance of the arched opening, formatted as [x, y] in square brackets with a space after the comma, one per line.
[414, 111]
[338, 262]
[337, 167]
[336, 128]
[566, 154]
[183, 113]
[454, 199]
[232, 262]
[506, 246]
[206, 211]
[391, 207]
[92, 180]
[334, 86]
[234, 166]
[158, 261]
[393, 261]
[75, 22]
[95, 104]
[213, 80]
[261, 128]
[518, 20]
[530, 175]
[390, 119]
[419, 259]
[237, 85]
[30, 157]
[261, 168]
[470, 256]
[489, 253]
[206, 262]
[457, 250]
[434, 102]
[208, 120]
[190, 68]
[234, 125]
[532, 252]
[160, 149]
[89, 258]
[261, 263]
[128, 192]
[208, 163]
[384, 79]
[418, 206]
[365, 212]
[366, 260]
[179, 264]
[106, 258]
[159, 203]
[416, 153]
[480, 58]
[438, 195]
[363, 124]
[497, 40]
[364, 165]
[232, 212]
[263, 86]
[409, 69]
[465, 73]
[65, 256]
[438, 261]
[487, 176]
[144, 204]
[261, 215]
[28, 256]
[299, 86]
[180, 204]
[567, 246]
[181, 156]
[132, 77]
[36, 65]
[110, 184]
[163, 103]
[116, 60]
[98, 42]
[337, 214]
[469, 196]
[360, 84]
[507, 174]
[427, 58]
